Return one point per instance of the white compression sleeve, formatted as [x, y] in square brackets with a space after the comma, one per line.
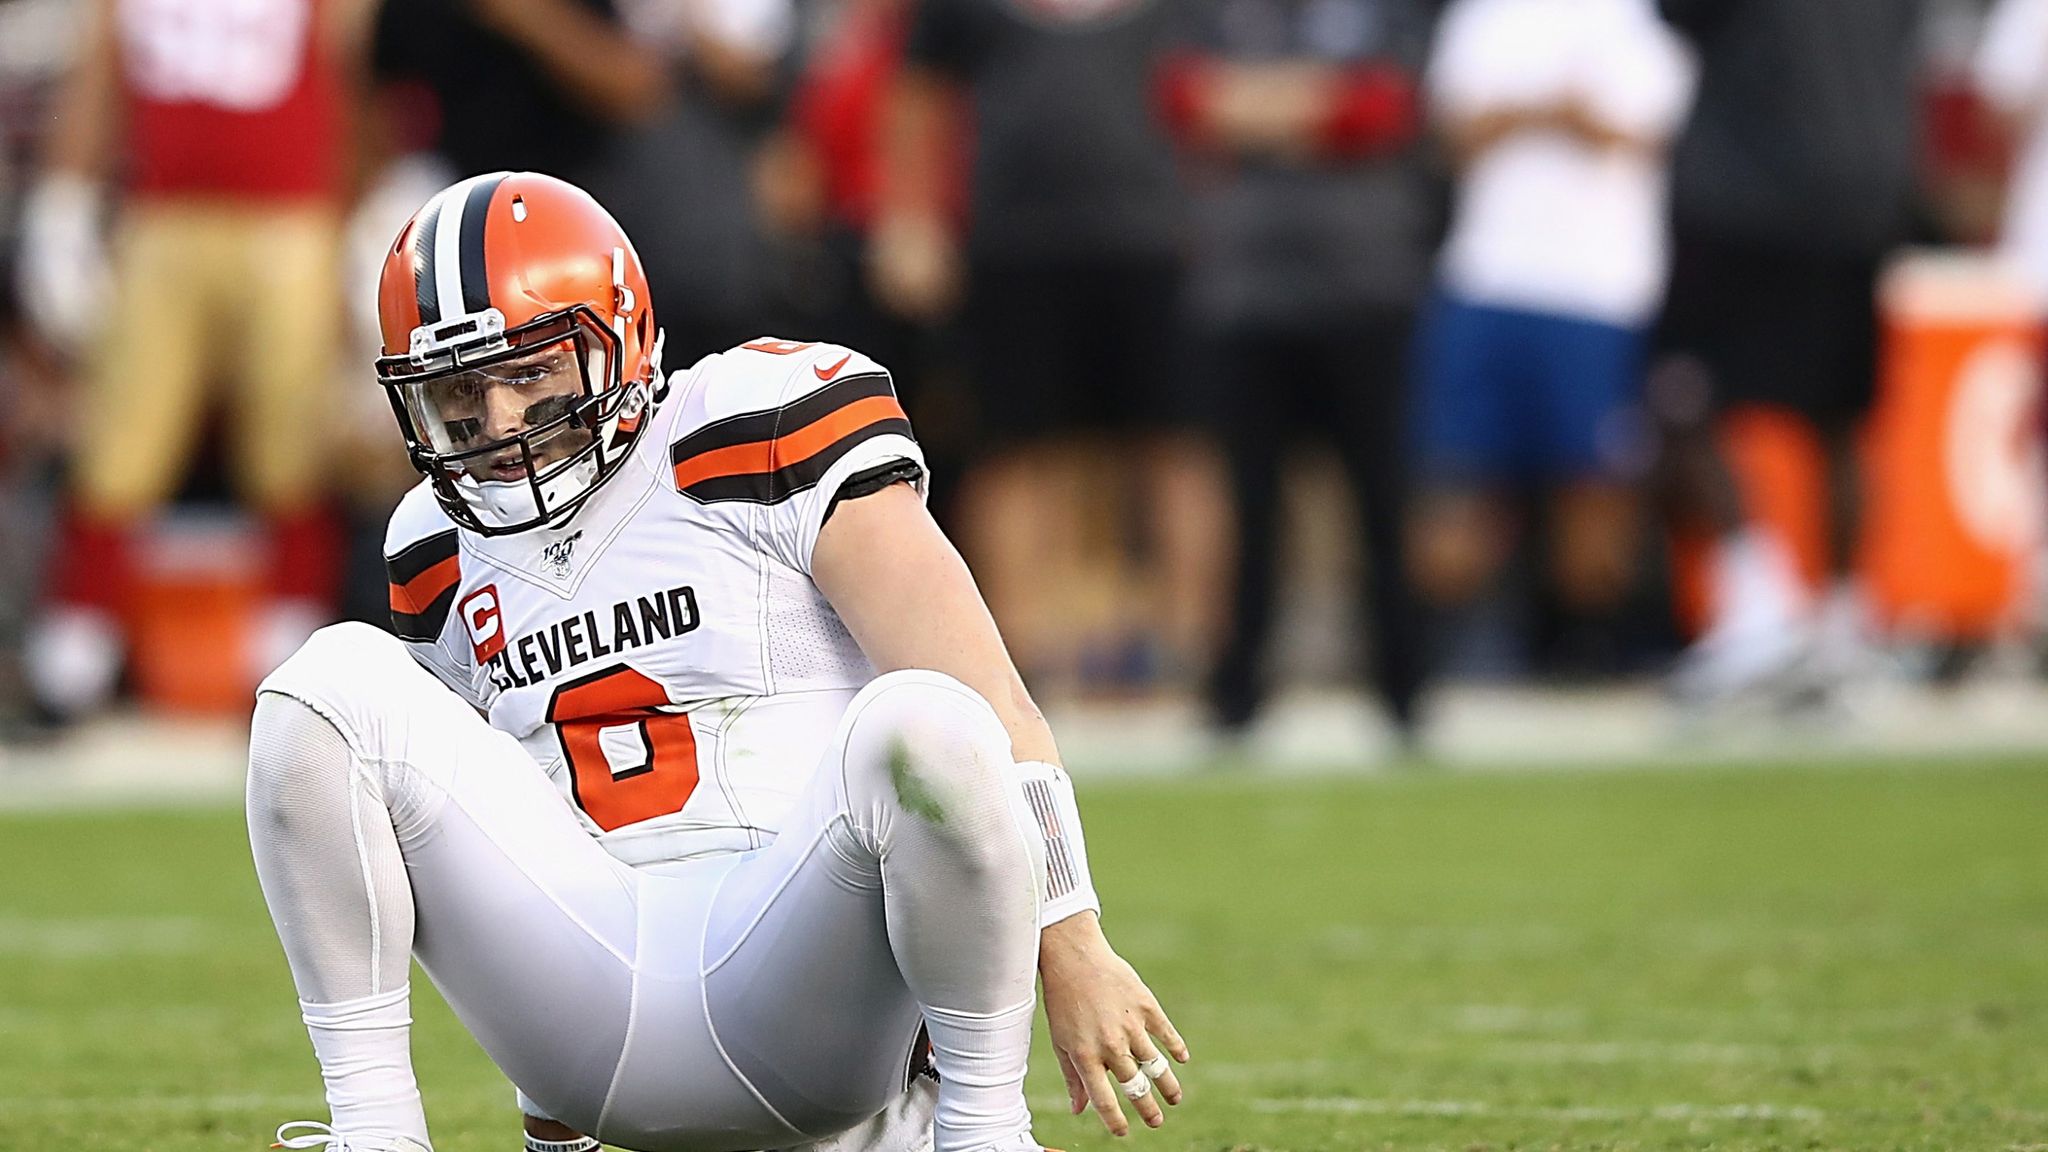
[1069, 889]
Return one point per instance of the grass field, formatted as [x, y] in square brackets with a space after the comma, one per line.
[1810, 957]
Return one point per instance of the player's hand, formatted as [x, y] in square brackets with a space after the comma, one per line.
[914, 266]
[1106, 1026]
[63, 275]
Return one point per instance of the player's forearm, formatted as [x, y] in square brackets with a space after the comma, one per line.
[81, 140]
[1471, 137]
[908, 598]
[597, 64]
[916, 123]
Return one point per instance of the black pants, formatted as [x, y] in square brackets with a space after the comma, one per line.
[1344, 383]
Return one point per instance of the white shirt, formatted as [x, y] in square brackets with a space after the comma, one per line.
[1544, 222]
[2012, 73]
[664, 655]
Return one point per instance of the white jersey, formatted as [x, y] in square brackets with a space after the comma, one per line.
[664, 655]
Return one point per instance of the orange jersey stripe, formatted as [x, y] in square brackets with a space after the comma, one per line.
[791, 448]
[414, 596]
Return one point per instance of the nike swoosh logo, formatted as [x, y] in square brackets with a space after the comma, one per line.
[829, 373]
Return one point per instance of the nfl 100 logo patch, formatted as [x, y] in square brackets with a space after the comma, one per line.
[556, 556]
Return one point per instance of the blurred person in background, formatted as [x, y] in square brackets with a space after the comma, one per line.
[1070, 284]
[30, 431]
[835, 128]
[684, 177]
[1313, 224]
[37, 40]
[1794, 178]
[218, 130]
[536, 85]
[1556, 115]
[825, 185]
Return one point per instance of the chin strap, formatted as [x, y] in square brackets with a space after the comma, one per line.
[1048, 792]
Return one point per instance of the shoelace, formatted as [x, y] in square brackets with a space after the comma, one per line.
[317, 1135]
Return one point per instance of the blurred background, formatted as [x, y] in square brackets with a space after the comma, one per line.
[1321, 382]
[1361, 415]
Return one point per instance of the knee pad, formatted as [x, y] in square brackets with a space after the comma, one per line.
[339, 659]
[930, 746]
[364, 682]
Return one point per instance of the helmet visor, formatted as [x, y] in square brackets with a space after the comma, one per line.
[474, 417]
[512, 426]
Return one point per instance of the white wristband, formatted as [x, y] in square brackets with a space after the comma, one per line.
[579, 1144]
[1048, 795]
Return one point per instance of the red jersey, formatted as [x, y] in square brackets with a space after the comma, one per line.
[839, 110]
[235, 98]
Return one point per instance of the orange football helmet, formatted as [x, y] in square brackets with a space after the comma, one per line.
[520, 351]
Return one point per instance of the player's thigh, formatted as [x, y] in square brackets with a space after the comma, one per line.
[284, 353]
[145, 386]
[809, 1005]
[801, 982]
[527, 926]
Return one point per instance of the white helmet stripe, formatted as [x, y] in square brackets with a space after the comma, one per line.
[448, 247]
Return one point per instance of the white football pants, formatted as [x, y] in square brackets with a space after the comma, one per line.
[737, 1002]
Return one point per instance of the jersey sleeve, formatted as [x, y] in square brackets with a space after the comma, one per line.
[824, 427]
[422, 562]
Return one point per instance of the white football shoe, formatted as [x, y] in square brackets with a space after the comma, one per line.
[318, 1135]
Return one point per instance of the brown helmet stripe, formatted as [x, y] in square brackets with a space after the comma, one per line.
[423, 268]
[449, 276]
[476, 210]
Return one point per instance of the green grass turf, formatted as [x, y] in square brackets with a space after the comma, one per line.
[1832, 957]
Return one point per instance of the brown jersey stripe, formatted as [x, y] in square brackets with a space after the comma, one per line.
[779, 484]
[424, 577]
[792, 448]
[750, 427]
[424, 626]
[420, 555]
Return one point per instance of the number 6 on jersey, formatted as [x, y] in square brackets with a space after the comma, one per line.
[628, 759]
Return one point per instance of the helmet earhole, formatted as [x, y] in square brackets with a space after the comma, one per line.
[519, 209]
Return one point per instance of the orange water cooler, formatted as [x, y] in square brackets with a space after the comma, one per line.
[1954, 485]
[199, 591]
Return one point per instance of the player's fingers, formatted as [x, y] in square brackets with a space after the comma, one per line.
[1154, 1066]
[1136, 1087]
[1158, 1025]
[1107, 1097]
[1077, 1092]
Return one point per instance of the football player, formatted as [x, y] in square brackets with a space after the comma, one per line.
[701, 619]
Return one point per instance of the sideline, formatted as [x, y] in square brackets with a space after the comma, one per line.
[138, 760]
